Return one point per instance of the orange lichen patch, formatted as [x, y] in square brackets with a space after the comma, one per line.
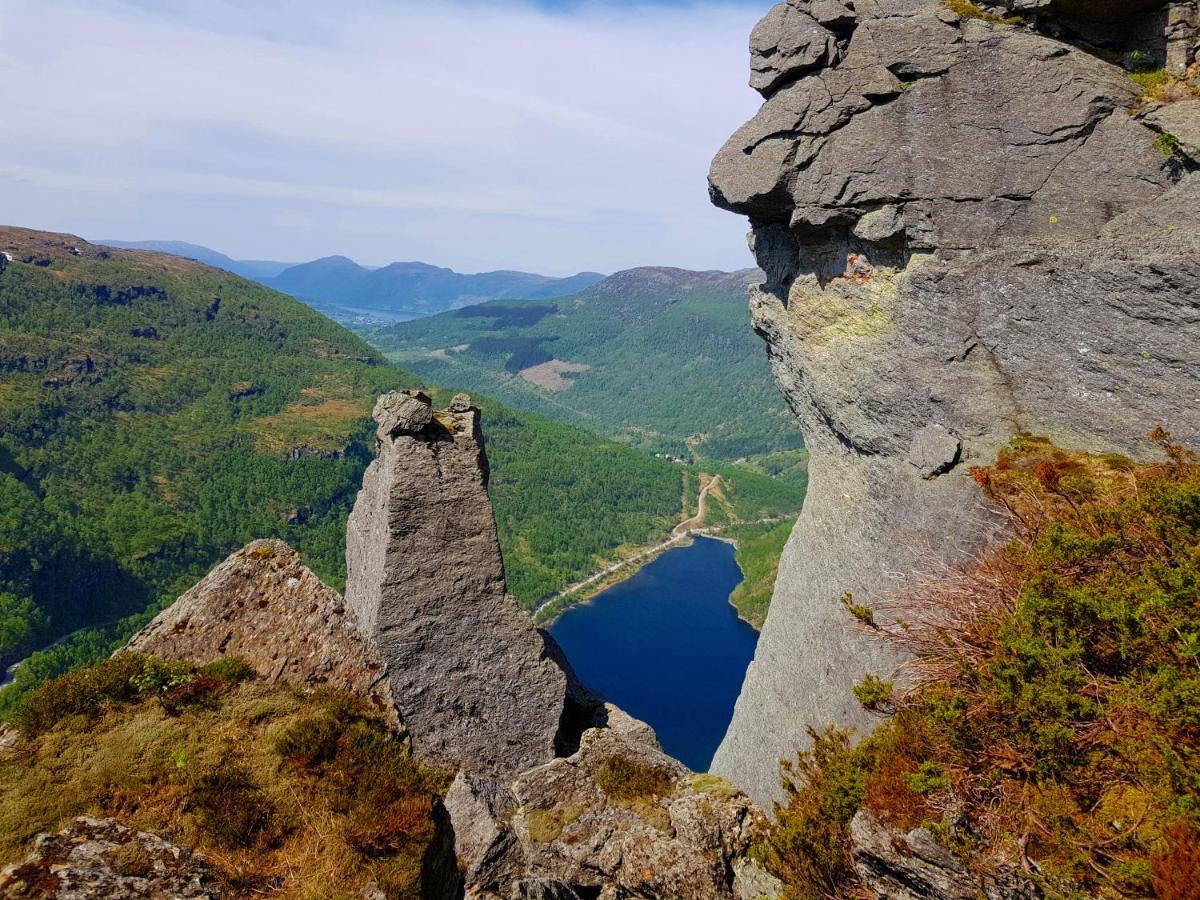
[858, 269]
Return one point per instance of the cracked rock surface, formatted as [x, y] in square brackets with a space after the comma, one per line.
[263, 605]
[967, 231]
[562, 830]
[102, 858]
[478, 686]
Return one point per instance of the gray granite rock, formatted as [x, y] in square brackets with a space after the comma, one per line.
[263, 605]
[561, 830]
[993, 245]
[1181, 122]
[787, 43]
[100, 858]
[914, 866]
[401, 412]
[479, 687]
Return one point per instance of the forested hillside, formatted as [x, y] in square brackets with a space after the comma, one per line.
[156, 414]
[662, 359]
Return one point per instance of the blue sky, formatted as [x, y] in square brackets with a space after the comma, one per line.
[552, 136]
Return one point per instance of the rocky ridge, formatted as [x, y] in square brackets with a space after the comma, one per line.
[557, 794]
[968, 229]
[264, 606]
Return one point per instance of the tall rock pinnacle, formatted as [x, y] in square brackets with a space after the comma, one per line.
[969, 228]
[479, 688]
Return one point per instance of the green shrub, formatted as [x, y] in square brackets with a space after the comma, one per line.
[809, 845]
[1168, 145]
[158, 676]
[874, 693]
[232, 669]
[1058, 703]
[929, 777]
[863, 613]
[83, 692]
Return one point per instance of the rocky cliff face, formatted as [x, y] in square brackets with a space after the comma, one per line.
[968, 229]
[264, 606]
[479, 686]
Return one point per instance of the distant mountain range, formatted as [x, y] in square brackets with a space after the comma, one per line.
[355, 294]
[254, 269]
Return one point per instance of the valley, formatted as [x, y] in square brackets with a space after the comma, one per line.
[350, 293]
[158, 413]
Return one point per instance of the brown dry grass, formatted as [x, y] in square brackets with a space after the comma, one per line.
[209, 776]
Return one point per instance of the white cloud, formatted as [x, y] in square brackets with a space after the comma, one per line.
[476, 135]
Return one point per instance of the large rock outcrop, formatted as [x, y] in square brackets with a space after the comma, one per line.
[102, 858]
[263, 605]
[618, 818]
[480, 688]
[968, 229]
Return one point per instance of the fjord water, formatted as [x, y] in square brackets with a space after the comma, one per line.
[667, 647]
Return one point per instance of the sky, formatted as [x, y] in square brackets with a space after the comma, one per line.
[546, 135]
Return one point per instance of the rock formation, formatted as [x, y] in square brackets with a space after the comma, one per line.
[429, 633]
[102, 858]
[263, 605]
[968, 229]
[479, 686]
[563, 830]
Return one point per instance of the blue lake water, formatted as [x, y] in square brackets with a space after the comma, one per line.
[667, 647]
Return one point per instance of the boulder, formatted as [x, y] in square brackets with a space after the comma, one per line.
[579, 826]
[102, 858]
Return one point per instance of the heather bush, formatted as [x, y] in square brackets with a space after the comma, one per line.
[1054, 727]
[229, 807]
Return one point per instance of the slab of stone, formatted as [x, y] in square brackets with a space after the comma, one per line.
[478, 686]
[264, 605]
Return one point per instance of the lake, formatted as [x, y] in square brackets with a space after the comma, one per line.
[667, 647]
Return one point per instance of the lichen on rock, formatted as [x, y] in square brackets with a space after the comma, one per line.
[102, 858]
[965, 233]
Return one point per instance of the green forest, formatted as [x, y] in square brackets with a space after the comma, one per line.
[662, 359]
[156, 414]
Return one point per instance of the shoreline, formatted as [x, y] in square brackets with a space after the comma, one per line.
[584, 591]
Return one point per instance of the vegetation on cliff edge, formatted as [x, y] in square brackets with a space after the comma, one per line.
[282, 790]
[1054, 729]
